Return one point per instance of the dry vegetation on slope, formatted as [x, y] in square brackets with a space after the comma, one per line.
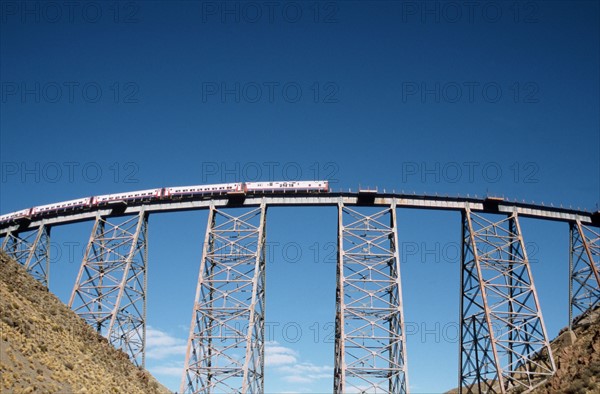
[45, 347]
[577, 358]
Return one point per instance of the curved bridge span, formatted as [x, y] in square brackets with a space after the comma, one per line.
[497, 287]
[487, 205]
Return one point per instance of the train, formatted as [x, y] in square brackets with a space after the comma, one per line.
[169, 193]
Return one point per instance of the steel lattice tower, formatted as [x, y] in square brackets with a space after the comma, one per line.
[31, 249]
[110, 291]
[584, 277]
[370, 346]
[225, 351]
[503, 342]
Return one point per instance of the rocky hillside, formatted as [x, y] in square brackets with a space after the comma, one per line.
[577, 357]
[46, 348]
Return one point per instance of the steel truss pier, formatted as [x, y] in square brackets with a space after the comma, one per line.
[225, 351]
[32, 250]
[370, 345]
[584, 264]
[503, 343]
[110, 291]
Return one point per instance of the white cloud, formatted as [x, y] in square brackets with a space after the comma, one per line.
[286, 361]
[297, 379]
[276, 355]
[308, 368]
[159, 353]
[305, 372]
[167, 370]
[279, 359]
[160, 345]
[275, 347]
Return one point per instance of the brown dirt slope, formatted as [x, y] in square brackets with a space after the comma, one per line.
[46, 348]
[577, 358]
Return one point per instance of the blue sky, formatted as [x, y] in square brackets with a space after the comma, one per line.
[437, 97]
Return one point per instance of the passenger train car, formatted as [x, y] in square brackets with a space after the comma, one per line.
[290, 186]
[203, 189]
[168, 193]
[14, 216]
[130, 196]
[61, 206]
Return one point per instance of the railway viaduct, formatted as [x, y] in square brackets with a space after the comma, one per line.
[497, 287]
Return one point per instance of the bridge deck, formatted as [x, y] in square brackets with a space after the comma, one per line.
[326, 199]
